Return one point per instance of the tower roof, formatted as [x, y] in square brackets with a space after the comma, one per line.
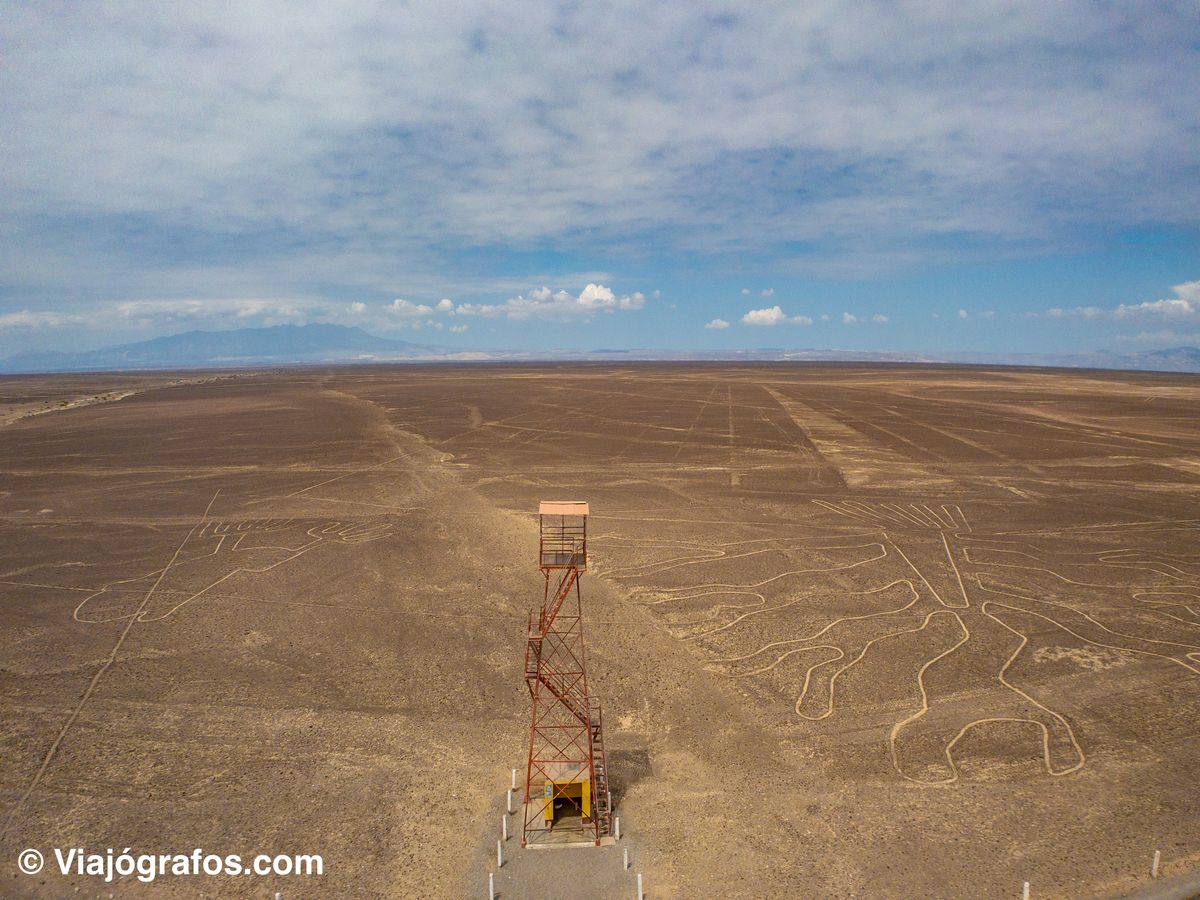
[562, 508]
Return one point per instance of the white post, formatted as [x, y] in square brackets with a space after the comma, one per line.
[1154, 868]
[608, 795]
[639, 896]
[617, 825]
[504, 827]
[626, 858]
[1025, 892]
[491, 886]
[514, 779]
[509, 807]
[499, 855]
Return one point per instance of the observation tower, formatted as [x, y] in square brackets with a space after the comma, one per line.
[567, 797]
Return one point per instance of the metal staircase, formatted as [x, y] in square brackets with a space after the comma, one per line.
[602, 802]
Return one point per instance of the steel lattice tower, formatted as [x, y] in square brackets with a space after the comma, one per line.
[566, 779]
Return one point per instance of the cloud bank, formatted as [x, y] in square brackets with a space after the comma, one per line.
[233, 148]
[540, 303]
[1184, 306]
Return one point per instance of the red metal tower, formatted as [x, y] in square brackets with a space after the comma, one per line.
[566, 780]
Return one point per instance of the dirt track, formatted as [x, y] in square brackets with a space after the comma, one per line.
[868, 631]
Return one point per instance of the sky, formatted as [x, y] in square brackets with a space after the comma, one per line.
[899, 176]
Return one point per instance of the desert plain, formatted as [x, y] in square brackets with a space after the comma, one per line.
[860, 631]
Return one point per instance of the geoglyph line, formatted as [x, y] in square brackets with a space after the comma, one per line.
[841, 655]
[105, 666]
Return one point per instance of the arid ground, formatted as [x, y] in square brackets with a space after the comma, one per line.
[859, 630]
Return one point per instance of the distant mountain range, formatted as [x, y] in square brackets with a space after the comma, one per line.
[1175, 359]
[319, 344]
[1178, 359]
[273, 345]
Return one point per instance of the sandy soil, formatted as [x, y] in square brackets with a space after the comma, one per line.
[859, 631]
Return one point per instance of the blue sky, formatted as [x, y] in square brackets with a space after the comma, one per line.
[994, 176]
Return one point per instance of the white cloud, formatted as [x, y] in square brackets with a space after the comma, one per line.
[988, 314]
[407, 310]
[767, 292]
[824, 317]
[173, 314]
[37, 319]
[1184, 305]
[773, 315]
[1167, 308]
[852, 319]
[263, 311]
[356, 308]
[445, 305]
[542, 303]
[597, 296]
[458, 329]
[745, 292]
[717, 324]
[1077, 312]
[963, 314]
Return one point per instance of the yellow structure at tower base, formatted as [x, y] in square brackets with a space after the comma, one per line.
[574, 790]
